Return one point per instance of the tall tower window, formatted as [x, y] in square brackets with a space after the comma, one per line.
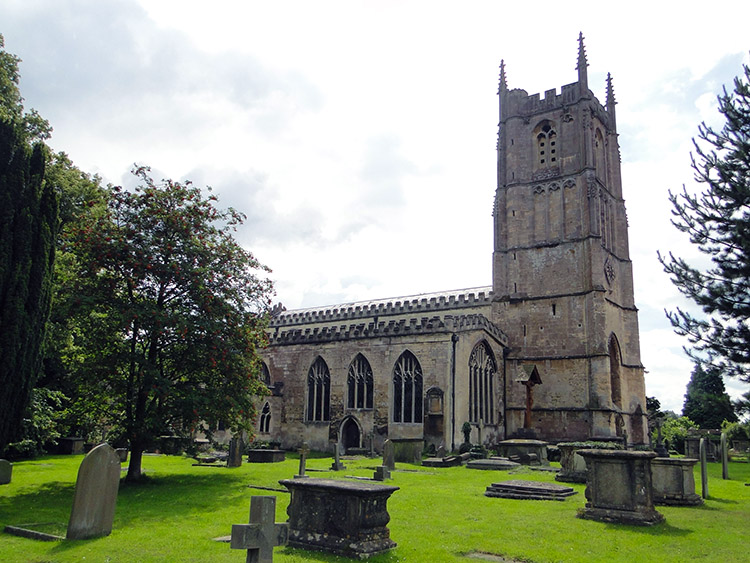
[407, 389]
[482, 370]
[546, 144]
[615, 360]
[359, 384]
[265, 375]
[318, 392]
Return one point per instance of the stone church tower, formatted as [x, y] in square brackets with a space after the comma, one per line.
[562, 275]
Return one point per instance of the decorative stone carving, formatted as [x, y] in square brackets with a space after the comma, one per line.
[554, 186]
[569, 183]
[539, 189]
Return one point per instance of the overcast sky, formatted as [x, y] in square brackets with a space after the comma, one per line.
[359, 137]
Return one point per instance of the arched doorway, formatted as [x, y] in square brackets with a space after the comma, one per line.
[351, 435]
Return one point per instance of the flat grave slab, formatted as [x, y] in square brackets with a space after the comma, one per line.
[488, 464]
[529, 490]
[448, 461]
[265, 456]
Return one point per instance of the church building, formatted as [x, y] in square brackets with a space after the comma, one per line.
[550, 350]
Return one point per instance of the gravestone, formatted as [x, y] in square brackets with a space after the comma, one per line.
[619, 488]
[262, 534]
[527, 452]
[337, 465]
[95, 495]
[235, 452]
[372, 444]
[724, 457]
[529, 490]
[6, 470]
[440, 452]
[265, 456]
[341, 517]
[704, 468]
[303, 453]
[382, 473]
[489, 464]
[389, 459]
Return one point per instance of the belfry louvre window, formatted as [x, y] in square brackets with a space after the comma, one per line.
[482, 370]
[407, 389]
[546, 144]
[359, 384]
[265, 419]
[318, 392]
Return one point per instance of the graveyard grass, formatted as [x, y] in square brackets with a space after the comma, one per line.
[437, 515]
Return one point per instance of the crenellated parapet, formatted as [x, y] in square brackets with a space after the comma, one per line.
[395, 327]
[423, 303]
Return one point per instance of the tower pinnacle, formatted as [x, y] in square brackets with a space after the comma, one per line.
[582, 65]
[503, 82]
[611, 98]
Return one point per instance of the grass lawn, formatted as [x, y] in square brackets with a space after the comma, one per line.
[437, 515]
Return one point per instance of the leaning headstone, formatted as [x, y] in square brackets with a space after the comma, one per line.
[6, 469]
[303, 453]
[704, 468]
[724, 457]
[389, 457]
[440, 452]
[235, 452]
[95, 495]
[262, 534]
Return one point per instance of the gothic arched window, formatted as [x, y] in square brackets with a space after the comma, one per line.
[546, 144]
[318, 392]
[407, 389]
[615, 360]
[265, 375]
[482, 368]
[599, 154]
[265, 419]
[359, 384]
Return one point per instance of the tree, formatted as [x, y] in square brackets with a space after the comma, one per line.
[674, 430]
[706, 401]
[718, 221]
[28, 226]
[170, 312]
[742, 406]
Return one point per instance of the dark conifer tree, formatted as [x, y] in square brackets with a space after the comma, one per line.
[28, 224]
[706, 401]
[717, 220]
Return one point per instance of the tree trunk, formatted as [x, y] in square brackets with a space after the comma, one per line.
[134, 468]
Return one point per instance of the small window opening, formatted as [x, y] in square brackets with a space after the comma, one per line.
[554, 309]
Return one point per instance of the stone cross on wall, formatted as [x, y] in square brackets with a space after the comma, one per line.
[262, 534]
[303, 453]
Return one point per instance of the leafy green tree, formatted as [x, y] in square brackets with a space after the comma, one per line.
[706, 401]
[718, 221]
[674, 430]
[170, 312]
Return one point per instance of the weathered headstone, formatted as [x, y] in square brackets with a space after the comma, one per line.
[6, 470]
[440, 452]
[95, 495]
[337, 465]
[382, 473]
[262, 534]
[235, 452]
[724, 457]
[389, 458]
[704, 468]
[303, 453]
[372, 444]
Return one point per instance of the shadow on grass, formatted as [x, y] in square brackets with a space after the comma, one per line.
[310, 555]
